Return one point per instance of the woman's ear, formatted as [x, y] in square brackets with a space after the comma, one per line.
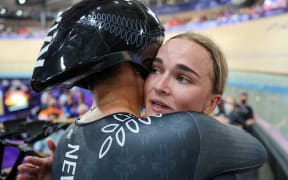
[214, 101]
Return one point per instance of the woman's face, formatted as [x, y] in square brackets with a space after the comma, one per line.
[181, 79]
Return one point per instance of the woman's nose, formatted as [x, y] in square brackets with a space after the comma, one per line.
[162, 85]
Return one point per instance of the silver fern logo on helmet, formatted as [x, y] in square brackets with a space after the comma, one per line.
[133, 31]
[47, 41]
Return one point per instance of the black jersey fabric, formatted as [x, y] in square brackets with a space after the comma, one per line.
[176, 146]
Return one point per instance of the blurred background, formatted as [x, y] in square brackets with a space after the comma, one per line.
[252, 33]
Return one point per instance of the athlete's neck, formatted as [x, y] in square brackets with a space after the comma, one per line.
[121, 93]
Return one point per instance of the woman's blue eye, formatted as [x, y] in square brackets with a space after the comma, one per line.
[155, 70]
[183, 80]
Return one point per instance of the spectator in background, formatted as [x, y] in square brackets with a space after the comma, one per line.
[231, 112]
[173, 22]
[246, 112]
[219, 111]
[82, 109]
[51, 109]
[44, 99]
[63, 98]
[70, 106]
[82, 105]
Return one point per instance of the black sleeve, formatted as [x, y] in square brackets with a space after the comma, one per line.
[225, 148]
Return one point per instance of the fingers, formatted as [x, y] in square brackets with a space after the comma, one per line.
[52, 146]
[27, 172]
[35, 161]
[26, 177]
[29, 169]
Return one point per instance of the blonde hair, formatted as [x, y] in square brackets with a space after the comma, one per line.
[219, 61]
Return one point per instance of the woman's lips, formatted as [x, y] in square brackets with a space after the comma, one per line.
[159, 107]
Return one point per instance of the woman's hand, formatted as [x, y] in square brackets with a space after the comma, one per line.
[37, 168]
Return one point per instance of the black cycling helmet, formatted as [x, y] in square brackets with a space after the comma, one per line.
[93, 35]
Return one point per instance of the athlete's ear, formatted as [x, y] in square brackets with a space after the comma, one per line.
[213, 102]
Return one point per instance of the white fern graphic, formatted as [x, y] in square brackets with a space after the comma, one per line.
[130, 122]
[105, 147]
[120, 136]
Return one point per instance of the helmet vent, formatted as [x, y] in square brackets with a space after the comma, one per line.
[132, 31]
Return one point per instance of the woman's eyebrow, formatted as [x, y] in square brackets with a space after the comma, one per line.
[186, 68]
[158, 60]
